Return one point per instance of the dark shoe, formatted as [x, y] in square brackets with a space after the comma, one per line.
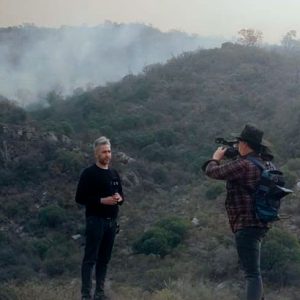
[100, 297]
[86, 298]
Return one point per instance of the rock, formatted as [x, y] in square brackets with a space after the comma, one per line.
[221, 285]
[195, 221]
[65, 139]
[19, 229]
[51, 137]
[76, 237]
[123, 158]
[130, 179]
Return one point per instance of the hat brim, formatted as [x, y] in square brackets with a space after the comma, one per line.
[264, 142]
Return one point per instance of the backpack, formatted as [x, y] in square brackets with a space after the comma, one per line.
[268, 193]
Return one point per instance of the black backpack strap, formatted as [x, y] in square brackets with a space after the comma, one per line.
[256, 162]
[259, 165]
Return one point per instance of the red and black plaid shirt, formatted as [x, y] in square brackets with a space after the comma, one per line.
[242, 176]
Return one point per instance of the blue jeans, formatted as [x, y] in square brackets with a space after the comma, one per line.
[100, 236]
[248, 244]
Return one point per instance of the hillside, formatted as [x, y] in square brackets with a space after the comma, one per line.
[162, 124]
[35, 61]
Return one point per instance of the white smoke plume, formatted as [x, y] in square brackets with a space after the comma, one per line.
[34, 61]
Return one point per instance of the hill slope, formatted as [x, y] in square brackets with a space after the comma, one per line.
[162, 124]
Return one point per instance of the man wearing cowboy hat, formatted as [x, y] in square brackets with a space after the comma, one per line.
[241, 176]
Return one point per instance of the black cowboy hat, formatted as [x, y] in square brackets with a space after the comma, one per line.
[252, 136]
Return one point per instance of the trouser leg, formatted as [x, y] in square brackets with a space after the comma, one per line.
[94, 234]
[248, 243]
[104, 255]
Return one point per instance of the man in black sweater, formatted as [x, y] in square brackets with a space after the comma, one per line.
[100, 190]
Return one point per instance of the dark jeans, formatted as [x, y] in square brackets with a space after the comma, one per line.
[100, 236]
[248, 244]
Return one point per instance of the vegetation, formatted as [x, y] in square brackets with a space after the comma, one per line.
[162, 124]
[162, 238]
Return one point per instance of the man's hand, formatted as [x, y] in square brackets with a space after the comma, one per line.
[118, 197]
[111, 200]
[219, 154]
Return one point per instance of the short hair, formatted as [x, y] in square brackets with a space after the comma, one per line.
[102, 140]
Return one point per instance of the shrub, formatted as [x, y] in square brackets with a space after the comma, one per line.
[7, 177]
[162, 238]
[54, 266]
[51, 216]
[61, 258]
[214, 190]
[69, 161]
[41, 246]
[166, 137]
[7, 293]
[159, 175]
[280, 252]
[154, 241]
[153, 152]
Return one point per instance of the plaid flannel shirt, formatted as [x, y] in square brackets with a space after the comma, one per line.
[239, 173]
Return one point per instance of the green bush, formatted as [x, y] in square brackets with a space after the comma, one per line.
[280, 252]
[29, 167]
[69, 161]
[162, 238]
[136, 140]
[51, 216]
[153, 152]
[159, 175]
[290, 176]
[61, 257]
[41, 247]
[214, 190]
[54, 266]
[154, 241]
[11, 113]
[174, 224]
[166, 137]
[7, 177]
[7, 293]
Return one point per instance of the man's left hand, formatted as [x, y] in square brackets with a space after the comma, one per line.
[219, 154]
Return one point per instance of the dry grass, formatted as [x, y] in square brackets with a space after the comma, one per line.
[175, 290]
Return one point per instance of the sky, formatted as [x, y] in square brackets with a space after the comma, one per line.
[204, 17]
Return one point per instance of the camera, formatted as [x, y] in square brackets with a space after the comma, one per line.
[231, 151]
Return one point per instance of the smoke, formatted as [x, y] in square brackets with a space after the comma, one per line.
[35, 61]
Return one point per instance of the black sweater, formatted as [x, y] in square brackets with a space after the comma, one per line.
[96, 183]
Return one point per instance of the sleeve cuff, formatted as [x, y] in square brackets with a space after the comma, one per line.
[204, 166]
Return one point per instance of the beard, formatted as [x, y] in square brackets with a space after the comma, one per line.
[104, 161]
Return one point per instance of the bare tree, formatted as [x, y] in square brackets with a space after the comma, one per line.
[250, 37]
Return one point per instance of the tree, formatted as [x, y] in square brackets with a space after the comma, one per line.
[250, 37]
[289, 41]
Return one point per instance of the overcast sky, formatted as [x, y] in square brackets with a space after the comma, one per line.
[205, 17]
